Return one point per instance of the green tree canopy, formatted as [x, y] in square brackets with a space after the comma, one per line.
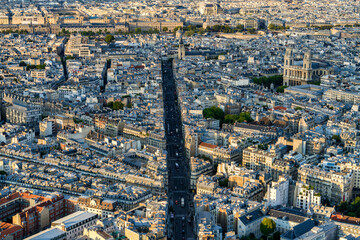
[224, 182]
[266, 81]
[213, 112]
[267, 226]
[117, 105]
[109, 38]
[189, 33]
[251, 30]
[240, 28]
[176, 29]
[280, 89]
[277, 235]
[242, 117]
[336, 138]
[138, 31]
[165, 29]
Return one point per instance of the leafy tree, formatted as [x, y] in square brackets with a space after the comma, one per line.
[267, 226]
[118, 105]
[191, 28]
[242, 117]
[77, 120]
[176, 29]
[263, 147]
[277, 80]
[138, 31]
[280, 89]
[109, 38]
[87, 33]
[213, 112]
[165, 29]
[252, 236]
[189, 33]
[129, 105]
[40, 67]
[336, 138]
[224, 182]
[64, 32]
[22, 64]
[240, 28]
[110, 104]
[272, 26]
[298, 108]
[324, 27]
[251, 30]
[201, 31]
[276, 235]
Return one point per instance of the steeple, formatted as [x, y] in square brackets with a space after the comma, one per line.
[181, 50]
[289, 57]
[307, 60]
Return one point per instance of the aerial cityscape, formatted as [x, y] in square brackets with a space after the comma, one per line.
[209, 120]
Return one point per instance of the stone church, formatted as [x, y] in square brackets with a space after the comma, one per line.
[305, 71]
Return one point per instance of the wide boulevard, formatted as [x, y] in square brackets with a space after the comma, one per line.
[180, 220]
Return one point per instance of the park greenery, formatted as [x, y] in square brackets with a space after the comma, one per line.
[277, 80]
[276, 27]
[31, 67]
[336, 138]
[191, 29]
[350, 209]
[76, 120]
[15, 31]
[214, 112]
[242, 117]
[263, 146]
[109, 38]
[218, 114]
[323, 27]
[281, 89]
[117, 105]
[224, 182]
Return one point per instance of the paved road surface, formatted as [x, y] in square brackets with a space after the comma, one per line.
[180, 225]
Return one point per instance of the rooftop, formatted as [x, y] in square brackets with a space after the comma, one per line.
[47, 234]
[73, 219]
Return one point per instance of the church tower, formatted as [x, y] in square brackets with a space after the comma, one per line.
[307, 60]
[307, 66]
[288, 62]
[289, 57]
[181, 50]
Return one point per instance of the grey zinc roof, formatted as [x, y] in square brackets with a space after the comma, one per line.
[251, 217]
[289, 216]
[73, 219]
[299, 230]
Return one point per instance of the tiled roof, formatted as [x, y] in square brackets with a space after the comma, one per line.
[345, 219]
[208, 145]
